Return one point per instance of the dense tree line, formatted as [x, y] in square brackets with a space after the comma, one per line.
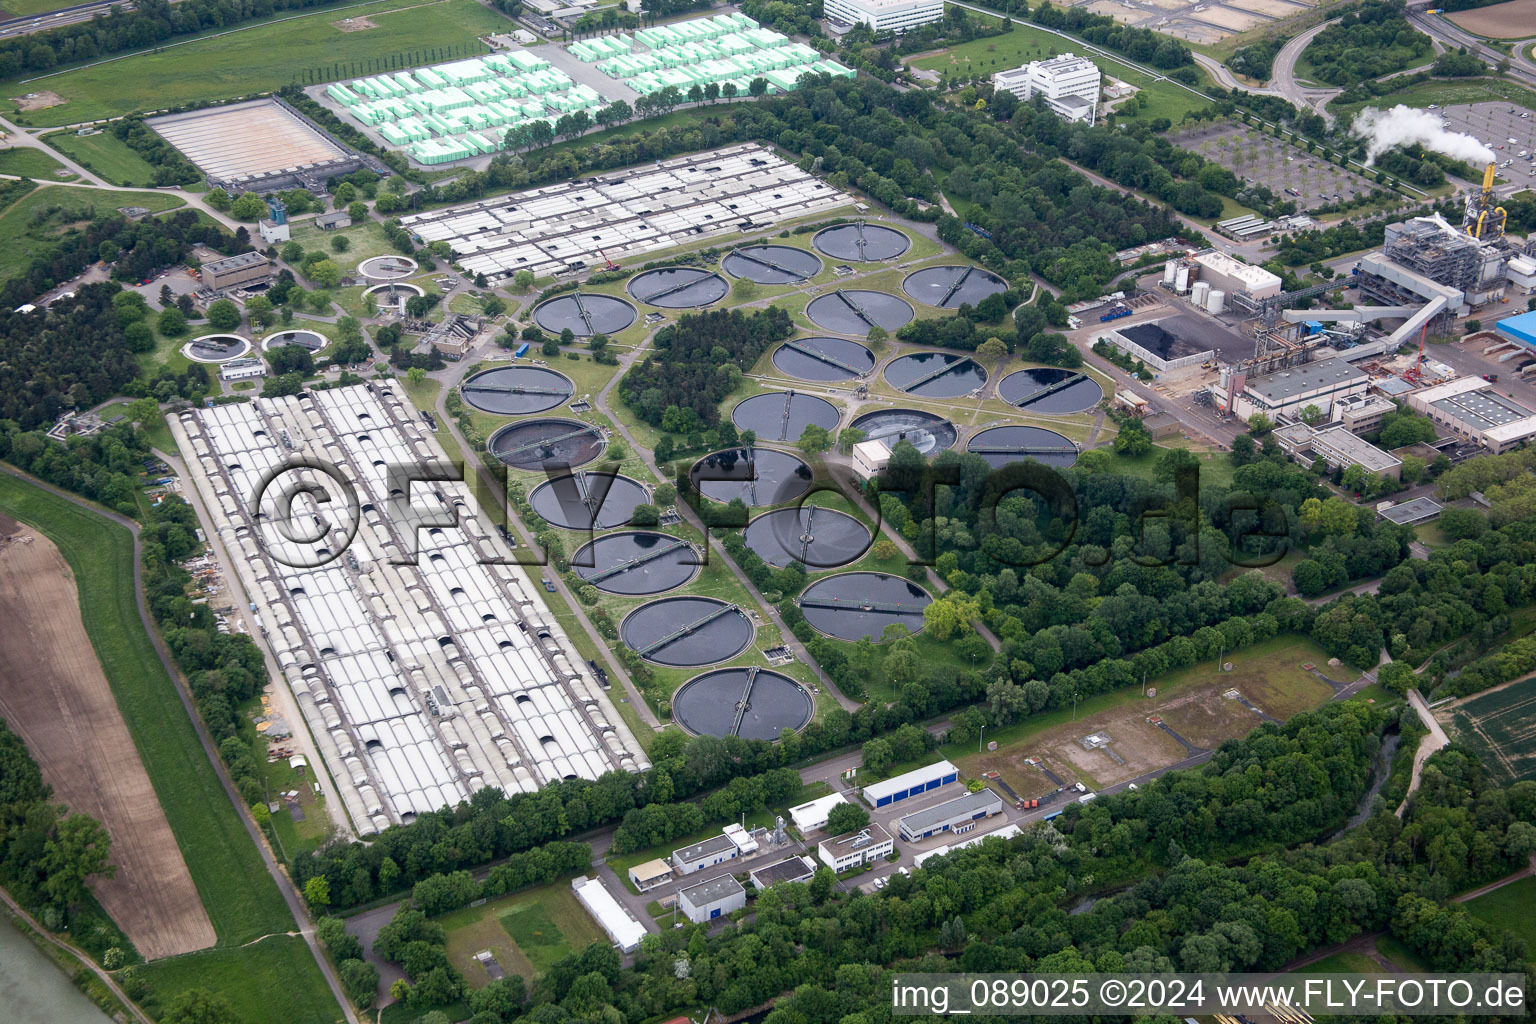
[137, 249]
[1372, 40]
[171, 168]
[48, 854]
[104, 467]
[696, 362]
[119, 29]
[71, 356]
[1141, 44]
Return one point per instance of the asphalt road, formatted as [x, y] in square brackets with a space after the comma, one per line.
[1283, 81]
[1521, 69]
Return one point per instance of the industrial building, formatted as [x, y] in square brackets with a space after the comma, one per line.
[731, 843]
[566, 227]
[727, 49]
[1069, 85]
[909, 784]
[851, 849]
[1231, 276]
[1410, 513]
[1178, 342]
[1339, 448]
[1006, 832]
[619, 923]
[333, 221]
[811, 816]
[240, 271]
[1362, 414]
[1473, 409]
[1286, 393]
[885, 15]
[870, 459]
[259, 146]
[242, 369]
[711, 898]
[1519, 329]
[955, 815]
[425, 664]
[647, 876]
[790, 869]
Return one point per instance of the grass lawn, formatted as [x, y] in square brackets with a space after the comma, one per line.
[22, 8]
[32, 163]
[240, 897]
[1400, 954]
[265, 57]
[274, 981]
[1343, 963]
[527, 932]
[1510, 908]
[18, 233]
[1473, 90]
[106, 154]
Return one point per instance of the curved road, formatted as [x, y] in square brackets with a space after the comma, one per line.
[1282, 79]
[284, 883]
[1522, 69]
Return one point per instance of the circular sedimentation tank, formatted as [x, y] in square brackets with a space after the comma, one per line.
[784, 415]
[517, 390]
[216, 348]
[686, 632]
[759, 476]
[584, 314]
[950, 287]
[312, 340]
[1002, 445]
[823, 359]
[678, 288]
[817, 538]
[854, 605]
[857, 311]
[862, 243]
[636, 563]
[534, 444]
[394, 294]
[1049, 390]
[387, 268]
[925, 431]
[753, 703]
[772, 264]
[935, 374]
[588, 501]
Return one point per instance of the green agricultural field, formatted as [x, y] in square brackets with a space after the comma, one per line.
[32, 163]
[23, 8]
[1510, 908]
[241, 899]
[73, 205]
[527, 932]
[274, 981]
[105, 154]
[263, 57]
[1499, 726]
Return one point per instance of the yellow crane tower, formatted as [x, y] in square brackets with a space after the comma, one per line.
[1482, 215]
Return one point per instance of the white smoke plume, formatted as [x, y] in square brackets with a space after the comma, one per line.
[1403, 126]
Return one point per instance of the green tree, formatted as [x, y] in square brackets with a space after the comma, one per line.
[325, 273]
[340, 243]
[877, 755]
[77, 849]
[522, 280]
[846, 818]
[847, 438]
[317, 892]
[358, 211]
[345, 193]
[292, 252]
[220, 200]
[249, 207]
[223, 315]
[1311, 415]
[416, 375]
[171, 322]
[139, 337]
[814, 438]
[199, 1006]
[260, 310]
[991, 350]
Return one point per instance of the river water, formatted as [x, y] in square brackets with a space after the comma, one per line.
[32, 989]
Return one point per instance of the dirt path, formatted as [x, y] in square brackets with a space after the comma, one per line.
[54, 694]
[1433, 741]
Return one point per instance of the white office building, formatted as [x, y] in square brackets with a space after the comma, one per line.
[885, 15]
[811, 816]
[715, 897]
[1070, 85]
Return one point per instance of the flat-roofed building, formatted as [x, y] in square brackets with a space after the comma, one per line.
[243, 369]
[1233, 276]
[851, 849]
[247, 268]
[870, 459]
[1362, 414]
[957, 815]
[1068, 83]
[885, 15]
[910, 784]
[790, 869]
[1341, 449]
[619, 923]
[812, 815]
[649, 875]
[1410, 513]
[1006, 832]
[1287, 393]
[1473, 409]
[711, 898]
[732, 842]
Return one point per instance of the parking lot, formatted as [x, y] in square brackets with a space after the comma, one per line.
[1509, 131]
[1291, 173]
